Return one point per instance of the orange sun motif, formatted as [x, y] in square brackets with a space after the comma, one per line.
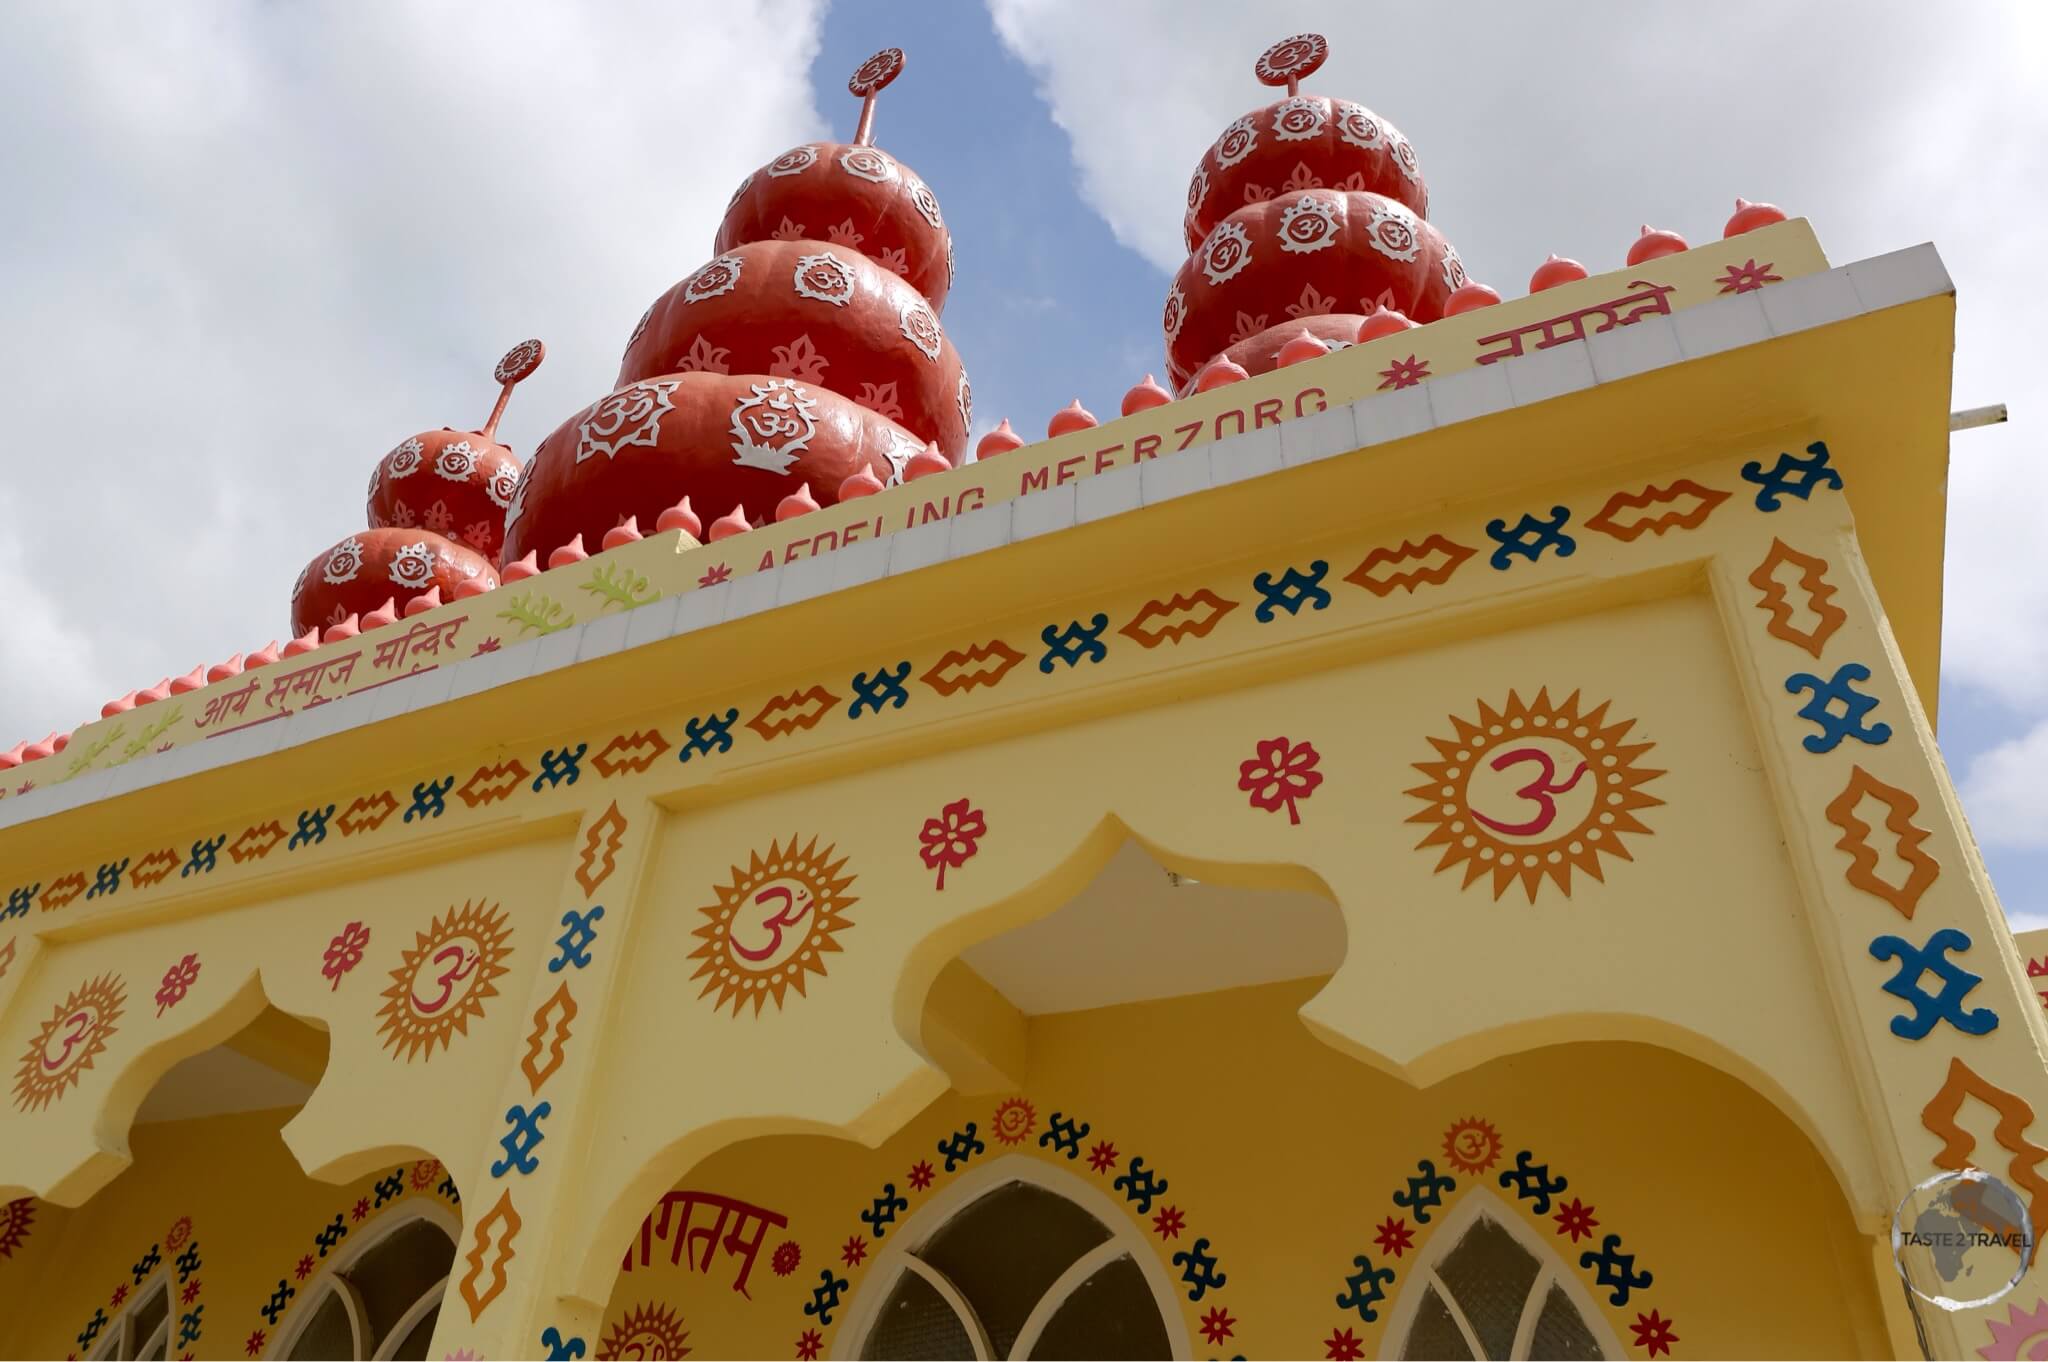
[1533, 790]
[65, 1046]
[1472, 1145]
[772, 924]
[647, 1331]
[1015, 1120]
[442, 981]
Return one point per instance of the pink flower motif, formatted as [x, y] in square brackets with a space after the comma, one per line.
[345, 952]
[177, 979]
[1404, 373]
[1281, 773]
[1747, 277]
[952, 839]
[489, 645]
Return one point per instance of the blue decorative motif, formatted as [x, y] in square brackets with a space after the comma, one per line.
[961, 1146]
[188, 1261]
[1425, 1189]
[331, 1235]
[203, 852]
[825, 1296]
[1367, 1288]
[151, 1261]
[1064, 1135]
[885, 687]
[279, 1299]
[575, 942]
[107, 879]
[312, 828]
[1532, 1182]
[188, 1325]
[1819, 710]
[447, 1189]
[429, 799]
[712, 733]
[560, 766]
[1616, 1270]
[520, 1141]
[19, 898]
[1294, 590]
[92, 1328]
[391, 1188]
[883, 1213]
[1931, 1008]
[1140, 1184]
[558, 1347]
[1530, 537]
[1198, 1269]
[1811, 472]
[1071, 644]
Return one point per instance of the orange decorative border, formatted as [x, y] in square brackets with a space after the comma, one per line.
[1454, 556]
[1705, 500]
[632, 753]
[1175, 618]
[601, 843]
[1898, 822]
[553, 1015]
[2014, 1116]
[501, 1214]
[1819, 597]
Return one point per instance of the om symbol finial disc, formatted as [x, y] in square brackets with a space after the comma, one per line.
[1291, 59]
[876, 72]
[521, 360]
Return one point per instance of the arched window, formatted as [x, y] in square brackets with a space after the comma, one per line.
[1016, 1260]
[382, 1296]
[1489, 1287]
[143, 1329]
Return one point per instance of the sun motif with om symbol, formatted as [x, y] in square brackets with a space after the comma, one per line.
[1533, 790]
[1472, 1145]
[646, 1331]
[442, 981]
[772, 924]
[64, 1047]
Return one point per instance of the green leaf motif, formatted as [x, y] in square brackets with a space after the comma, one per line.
[536, 612]
[84, 760]
[621, 588]
[147, 738]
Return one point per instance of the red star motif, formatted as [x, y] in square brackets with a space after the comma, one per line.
[255, 1343]
[25, 787]
[855, 1252]
[1575, 1218]
[1343, 1346]
[809, 1345]
[362, 1209]
[1394, 1238]
[1747, 277]
[1216, 1325]
[1404, 373]
[489, 645]
[921, 1175]
[715, 575]
[305, 1267]
[190, 1293]
[1653, 1334]
[1102, 1157]
[120, 1293]
[1169, 1223]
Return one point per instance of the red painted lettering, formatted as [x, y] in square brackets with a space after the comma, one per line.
[940, 511]
[789, 549]
[1105, 459]
[1266, 413]
[824, 542]
[852, 533]
[1145, 447]
[1302, 396]
[1191, 430]
[970, 499]
[1066, 468]
[1034, 478]
[1235, 412]
[767, 561]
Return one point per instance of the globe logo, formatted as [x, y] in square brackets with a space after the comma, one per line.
[1962, 1239]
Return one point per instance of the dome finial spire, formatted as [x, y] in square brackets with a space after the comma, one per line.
[874, 73]
[521, 360]
[1291, 60]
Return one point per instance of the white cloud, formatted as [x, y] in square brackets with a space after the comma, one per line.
[250, 247]
[2003, 793]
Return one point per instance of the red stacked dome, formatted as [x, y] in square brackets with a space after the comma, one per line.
[1308, 211]
[809, 349]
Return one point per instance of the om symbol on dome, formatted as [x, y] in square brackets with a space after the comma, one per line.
[344, 561]
[719, 276]
[1454, 268]
[795, 161]
[926, 201]
[1229, 250]
[630, 416]
[1299, 118]
[1308, 224]
[876, 72]
[456, 462]
[1358, 127]
[1176, 313]
[521, 360]
[868, 164]
[825, 277]
[921, 327]
[1404, 157]
[1291, 58]
[773, 426]
[413, 565]
[502, 484]
[404, 459]
[1236, 142]
[1393, 234]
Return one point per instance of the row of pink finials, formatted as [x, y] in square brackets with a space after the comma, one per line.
[1650, 245]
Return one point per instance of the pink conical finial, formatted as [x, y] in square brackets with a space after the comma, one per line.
[1069, 418]
[262, 657]
[519, 569]
[1470, 297]
[300, 646]
[1219, 371]
[799, 502]
[1300, 346]
[63, 741]
[347, 629]
[1384, 321]
[1145, 396]
[430, 599]
[1750, 216]
[874, 73]
[622, 534]
[120, 706]
[384, 614]
[221, 671]
[1291, 60]
[926, 462]
[680, 517]
[862, 484]
[571, 552]
[1554, 271]
[1001, 440]
[190, 681]
[731, 523]
[36, 751]
[151, 694]
[521, 360]
[476, 586]
[11, 758]
[1653, 244]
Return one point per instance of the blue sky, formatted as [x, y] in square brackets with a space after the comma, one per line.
[254, 246]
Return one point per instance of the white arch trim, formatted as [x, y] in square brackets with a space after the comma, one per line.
[330, 1278]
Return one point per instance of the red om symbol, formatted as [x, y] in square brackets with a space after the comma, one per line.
[465, 964]
[791, 913]
[1537, 791]
[81, 1022]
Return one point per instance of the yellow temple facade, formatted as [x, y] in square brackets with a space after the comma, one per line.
[1328, 866]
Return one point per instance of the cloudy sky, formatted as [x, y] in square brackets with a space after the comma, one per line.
[248, 247]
